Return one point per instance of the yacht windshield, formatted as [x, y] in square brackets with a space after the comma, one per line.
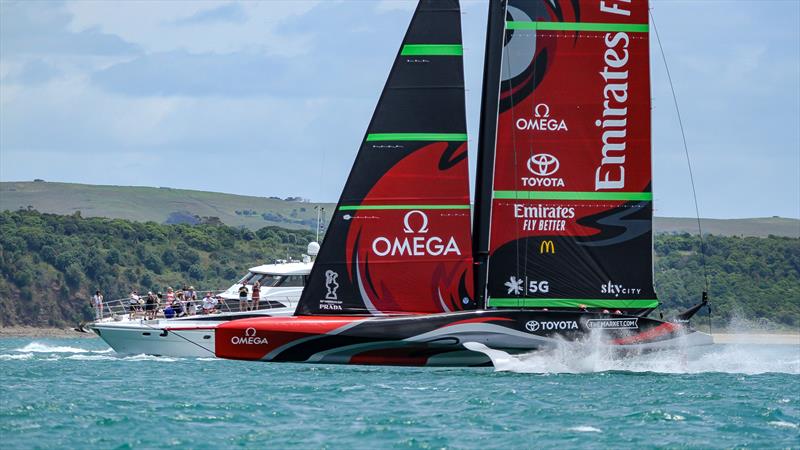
[268, 280]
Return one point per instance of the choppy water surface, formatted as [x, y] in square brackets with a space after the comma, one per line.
[64, 393]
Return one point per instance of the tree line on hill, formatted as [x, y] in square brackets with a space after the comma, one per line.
[50, 265]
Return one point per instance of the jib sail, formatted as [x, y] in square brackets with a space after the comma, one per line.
[568, 136]
[399, 241]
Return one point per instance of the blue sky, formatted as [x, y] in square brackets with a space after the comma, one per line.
[272, 98]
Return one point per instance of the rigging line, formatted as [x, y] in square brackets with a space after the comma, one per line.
[516, 173]
[686, 151]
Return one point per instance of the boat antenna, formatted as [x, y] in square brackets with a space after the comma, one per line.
[689, 165]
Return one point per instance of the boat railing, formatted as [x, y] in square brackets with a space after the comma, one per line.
[126, 308]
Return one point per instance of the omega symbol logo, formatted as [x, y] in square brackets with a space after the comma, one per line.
[250, 332]
[407, 222]
[541, 110]
[532, 325]
[543, 164]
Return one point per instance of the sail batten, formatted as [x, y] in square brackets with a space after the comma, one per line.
[572, 195]
[439, 137]
[577, 26]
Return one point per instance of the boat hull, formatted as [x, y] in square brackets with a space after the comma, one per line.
[437, 339]
[179, 342]
[185, 337]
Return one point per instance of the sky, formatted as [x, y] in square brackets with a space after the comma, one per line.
[272, 98]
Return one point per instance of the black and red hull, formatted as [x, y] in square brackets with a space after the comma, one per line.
[438, 339]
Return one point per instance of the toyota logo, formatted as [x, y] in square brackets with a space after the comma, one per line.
[250, 332]
[543, 164]
[532, 325]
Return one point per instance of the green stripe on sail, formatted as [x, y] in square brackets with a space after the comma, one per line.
[432, 50]
[572, 195]
[455, 137]
[377, 207]
[578, 26]
[571, 303]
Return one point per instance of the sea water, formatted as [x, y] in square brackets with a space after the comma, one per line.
[77, 393]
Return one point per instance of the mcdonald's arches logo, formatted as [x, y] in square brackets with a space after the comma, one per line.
[547, 247]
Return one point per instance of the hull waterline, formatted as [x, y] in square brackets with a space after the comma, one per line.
[438, 339]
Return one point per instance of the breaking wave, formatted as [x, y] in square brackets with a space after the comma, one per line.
[569, 357]
[19, 357]
[38, 347]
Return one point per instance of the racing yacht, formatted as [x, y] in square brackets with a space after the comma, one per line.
[560, 248]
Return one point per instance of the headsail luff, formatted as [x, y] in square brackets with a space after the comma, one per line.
[399, 240]
[571, 199]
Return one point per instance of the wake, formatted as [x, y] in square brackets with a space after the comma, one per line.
[587, 357]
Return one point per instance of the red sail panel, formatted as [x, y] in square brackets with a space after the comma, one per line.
[572, 204]
[399, 241]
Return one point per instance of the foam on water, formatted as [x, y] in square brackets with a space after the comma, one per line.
[122, 358]
[782, 424]
[38, 347]
[570, 357]
[585, 429]
[18, 357]
[91, 358]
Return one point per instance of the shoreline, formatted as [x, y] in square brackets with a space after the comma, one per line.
[776, 338]
[42, 332]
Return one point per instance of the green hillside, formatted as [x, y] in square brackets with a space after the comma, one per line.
[160, 205]
[49, 264]
[165, 205]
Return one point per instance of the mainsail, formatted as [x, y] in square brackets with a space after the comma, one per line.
[564, 196]
[399, 241]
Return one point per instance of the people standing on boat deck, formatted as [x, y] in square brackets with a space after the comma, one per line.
[243, 298]
[191, 302]
[150, 306]
[209, 303]
[97, 302]
[256, 294]
[170, 296]
[134, 303]
[178, 304]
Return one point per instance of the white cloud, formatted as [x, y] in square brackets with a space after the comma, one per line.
[152, 25]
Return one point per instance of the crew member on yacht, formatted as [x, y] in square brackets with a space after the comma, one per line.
[97, 302]
[256, 294]
[243, 298]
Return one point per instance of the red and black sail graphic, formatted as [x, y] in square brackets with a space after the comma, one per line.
[570, 189]
[399, 241]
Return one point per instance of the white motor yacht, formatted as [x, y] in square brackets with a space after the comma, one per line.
[128, 331]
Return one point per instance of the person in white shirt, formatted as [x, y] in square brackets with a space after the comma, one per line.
[134, 304]
[209, 303]
[97, 302]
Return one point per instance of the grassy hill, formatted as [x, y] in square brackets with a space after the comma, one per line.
[160, 205]
[166, 205]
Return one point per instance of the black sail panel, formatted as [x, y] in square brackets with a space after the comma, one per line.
[399, 240]
[570, 190]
